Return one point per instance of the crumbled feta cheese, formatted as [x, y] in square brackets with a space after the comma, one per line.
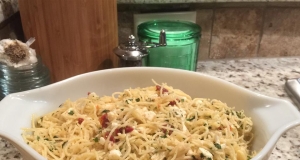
[179, 112]
[184, 98]
[70, 109]
[153, 96]
[141, 129]
[205, 152]
[134, 132]
[223, 145]
[199, 102]
[149, 115]
[165, 94]
[114, 154]
[111, 116]
[102, 141]
[121, 136]
[114, 124]
[184, 129]
[89, 118]
[92, 94]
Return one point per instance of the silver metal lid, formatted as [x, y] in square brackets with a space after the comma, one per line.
[135, 51]
[131, 51]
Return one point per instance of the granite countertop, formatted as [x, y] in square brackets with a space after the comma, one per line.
[262, 75]
[266, 76]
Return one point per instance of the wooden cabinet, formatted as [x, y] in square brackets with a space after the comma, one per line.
[72, 36]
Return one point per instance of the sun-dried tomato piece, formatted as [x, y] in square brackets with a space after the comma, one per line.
[80, 120]
[172, 103]
[128, 129]
[104, 120]
[164, 90]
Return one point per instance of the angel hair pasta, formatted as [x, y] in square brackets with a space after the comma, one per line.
[152, 123]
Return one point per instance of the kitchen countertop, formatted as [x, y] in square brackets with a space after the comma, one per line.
[262, 75]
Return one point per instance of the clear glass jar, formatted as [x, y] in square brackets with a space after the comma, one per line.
[23, 78]
[182, 43]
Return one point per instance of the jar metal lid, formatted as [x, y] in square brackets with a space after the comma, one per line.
[175, 31]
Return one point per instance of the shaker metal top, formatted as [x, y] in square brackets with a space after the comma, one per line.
[131, 50]
[134, 51]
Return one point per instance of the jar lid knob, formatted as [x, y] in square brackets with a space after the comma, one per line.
[162, 38]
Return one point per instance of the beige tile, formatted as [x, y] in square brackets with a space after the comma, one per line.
[281, 33]
[204, 20]
[236, 32]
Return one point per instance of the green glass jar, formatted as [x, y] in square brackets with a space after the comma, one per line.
[182, 43]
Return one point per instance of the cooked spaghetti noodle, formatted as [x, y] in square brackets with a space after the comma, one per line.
[155, 123]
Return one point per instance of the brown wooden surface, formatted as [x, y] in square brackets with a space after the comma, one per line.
[72, 36]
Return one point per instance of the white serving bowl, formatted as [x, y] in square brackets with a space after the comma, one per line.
[271, 116]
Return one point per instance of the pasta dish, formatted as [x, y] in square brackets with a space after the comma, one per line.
[153, 123]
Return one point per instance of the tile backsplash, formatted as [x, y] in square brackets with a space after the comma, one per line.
[229, 30]
[232, 30]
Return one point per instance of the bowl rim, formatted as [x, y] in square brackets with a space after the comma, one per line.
[267, 149]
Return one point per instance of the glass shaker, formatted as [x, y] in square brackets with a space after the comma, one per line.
[23, 78]
[182, 39]
[134, 54]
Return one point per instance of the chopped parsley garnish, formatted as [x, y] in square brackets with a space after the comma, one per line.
[127, 100]
[239, 114]
[241, 126]
[227, 112]
[137, 100]
[202, 155]
[96, 139]
[217, 145]
[207, 117]
[164, 136]
[71, 113]
[190, 119]
[38, 138]
[64, 144]
[105, 111]
[182, 100]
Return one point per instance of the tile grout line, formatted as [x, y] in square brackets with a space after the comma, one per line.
[211, 32]
[261, 31]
